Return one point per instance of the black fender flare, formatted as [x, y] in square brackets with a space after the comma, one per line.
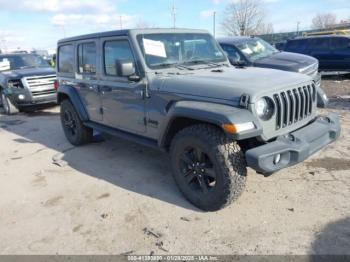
[70, 92]
[212, 113]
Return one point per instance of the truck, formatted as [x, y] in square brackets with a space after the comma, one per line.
[175, 90]
[27, 82]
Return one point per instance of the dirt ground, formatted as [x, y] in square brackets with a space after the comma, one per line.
[117, 197]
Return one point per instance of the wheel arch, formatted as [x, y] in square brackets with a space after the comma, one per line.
[186, 113]
[68, 92]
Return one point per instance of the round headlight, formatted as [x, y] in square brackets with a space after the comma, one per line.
[265, 108]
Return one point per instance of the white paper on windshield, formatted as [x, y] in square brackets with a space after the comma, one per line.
[247, 51]
[155, 48]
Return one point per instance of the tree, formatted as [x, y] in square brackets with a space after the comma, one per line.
[324, 21]
[245, 17]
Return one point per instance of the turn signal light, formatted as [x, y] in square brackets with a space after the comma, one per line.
[55, 84]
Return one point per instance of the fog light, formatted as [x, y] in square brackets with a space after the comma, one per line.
[21, 97]
[277, 159]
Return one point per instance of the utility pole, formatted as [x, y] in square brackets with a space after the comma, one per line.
[121, 22]
[173, 14]
[298, 24]
[214, 23]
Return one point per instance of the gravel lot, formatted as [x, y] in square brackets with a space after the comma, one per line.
[114, 197]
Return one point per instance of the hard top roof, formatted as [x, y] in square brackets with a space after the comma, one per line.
[127, 32]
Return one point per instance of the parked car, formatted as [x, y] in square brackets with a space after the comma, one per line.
[26, 81]
[255, 52]
[332, 52]
[174, 90]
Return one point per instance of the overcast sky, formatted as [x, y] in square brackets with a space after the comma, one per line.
[40, 23]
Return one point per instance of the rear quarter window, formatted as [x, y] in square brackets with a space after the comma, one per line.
[66, 59]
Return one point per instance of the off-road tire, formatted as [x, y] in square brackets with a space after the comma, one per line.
[7, 105]
[227, 159]
[81, 134]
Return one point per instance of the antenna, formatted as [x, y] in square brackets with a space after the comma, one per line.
[121, 22]
[173, 14]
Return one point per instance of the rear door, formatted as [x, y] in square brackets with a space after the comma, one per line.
[319, 48]
[340, 53]
[122, 100]
[87, 78]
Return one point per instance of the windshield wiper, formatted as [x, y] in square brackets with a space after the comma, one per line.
[25, 67]
[176, 65]
[202, 61]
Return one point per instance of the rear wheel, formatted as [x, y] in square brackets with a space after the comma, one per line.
[8, 106]
[209, 168]
[74, 129]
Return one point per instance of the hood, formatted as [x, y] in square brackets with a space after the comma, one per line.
[232, 83]
[286, 61]
[19, 73]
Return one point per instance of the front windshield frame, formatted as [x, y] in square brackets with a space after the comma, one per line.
[24, 61]
[246, 47]
[178, 40]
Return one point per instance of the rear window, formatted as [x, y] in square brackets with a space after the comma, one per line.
[87, 58]
[66, 59]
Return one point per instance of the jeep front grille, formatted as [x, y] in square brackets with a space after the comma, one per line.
[40, 85]
[294, 105]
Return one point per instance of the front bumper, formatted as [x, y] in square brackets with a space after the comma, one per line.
[294, 147]
[24, 98]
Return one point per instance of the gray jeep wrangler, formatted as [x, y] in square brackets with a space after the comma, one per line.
[174, 90]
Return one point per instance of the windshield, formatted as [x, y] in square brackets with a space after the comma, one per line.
[13, 62]
[171, 49]
[256, 48]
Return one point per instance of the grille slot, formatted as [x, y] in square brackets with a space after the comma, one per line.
[41, 85]
[294, 105]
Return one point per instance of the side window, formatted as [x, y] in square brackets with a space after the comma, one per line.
[319, 43]
[232, 52]
[115, 51]
[87, 58]
[295, 45]
[66, 59]
[340, 43]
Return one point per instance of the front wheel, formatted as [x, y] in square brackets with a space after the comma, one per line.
[209, 168]
[8, 106]
[74, 129]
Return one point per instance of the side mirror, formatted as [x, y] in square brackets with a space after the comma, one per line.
[125, 68]
[236, 61]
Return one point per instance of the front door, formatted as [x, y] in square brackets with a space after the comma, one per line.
[87, 79]
[123, 100]
[319, 48]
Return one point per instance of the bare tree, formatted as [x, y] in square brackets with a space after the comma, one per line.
[324, 21]
[244, 17]
[265, 29]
